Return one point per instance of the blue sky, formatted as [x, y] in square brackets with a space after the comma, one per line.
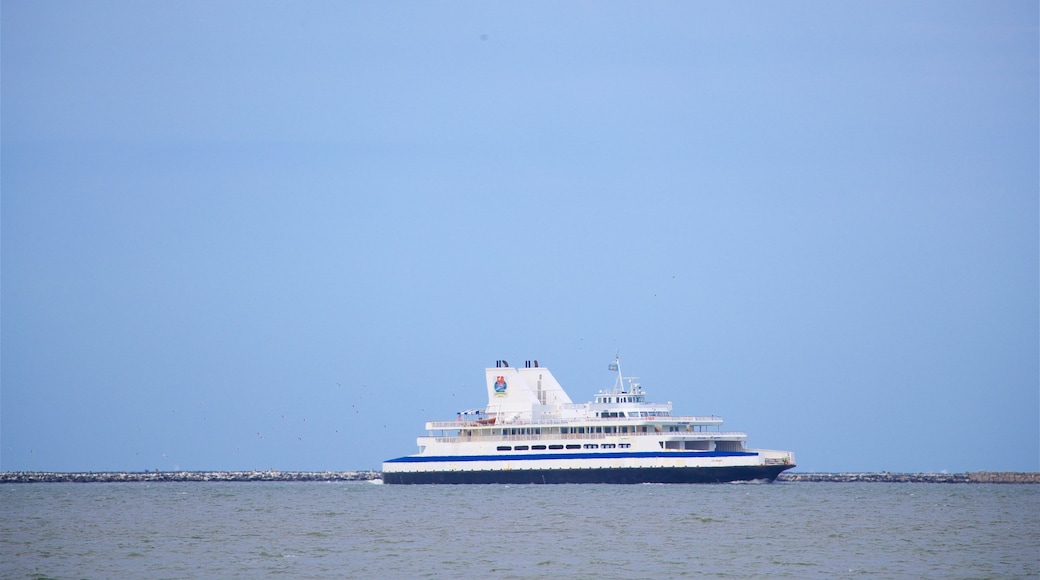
[244, 235]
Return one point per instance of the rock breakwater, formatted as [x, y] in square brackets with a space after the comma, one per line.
[163, 476]
[271, 475]
[886, 477]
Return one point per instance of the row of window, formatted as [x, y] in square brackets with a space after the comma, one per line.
[558, 446]
[572, 430]
[622, 399]
[566, 430]
[631, 397]
[581, 430]
[607, 429]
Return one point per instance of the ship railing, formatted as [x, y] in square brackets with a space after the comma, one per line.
[770, 457]
[705, 435]
[447, 425]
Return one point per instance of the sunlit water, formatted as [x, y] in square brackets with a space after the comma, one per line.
[354, 530]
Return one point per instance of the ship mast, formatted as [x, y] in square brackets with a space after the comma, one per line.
[619, 384]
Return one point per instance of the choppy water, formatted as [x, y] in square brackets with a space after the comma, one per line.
[353, 530]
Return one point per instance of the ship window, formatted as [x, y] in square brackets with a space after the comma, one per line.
[608, 445]
[563, 430]
[624, 445]
[556, 447]
[599, 429]
[624, 429]
[520, 448]
[572, 446]
[537, 447]
[591, 446]
[504, 448]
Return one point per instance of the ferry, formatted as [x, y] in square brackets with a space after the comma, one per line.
[531, 432]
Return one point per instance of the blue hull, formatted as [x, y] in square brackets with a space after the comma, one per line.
[614, 475]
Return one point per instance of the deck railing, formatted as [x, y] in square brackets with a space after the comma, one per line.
[586, 436]
[705, 420]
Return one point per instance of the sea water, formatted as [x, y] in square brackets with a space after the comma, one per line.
[362, 530]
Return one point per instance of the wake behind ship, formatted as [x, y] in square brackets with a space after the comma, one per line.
[531, 432]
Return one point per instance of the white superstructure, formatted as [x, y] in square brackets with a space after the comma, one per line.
[531, 432]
